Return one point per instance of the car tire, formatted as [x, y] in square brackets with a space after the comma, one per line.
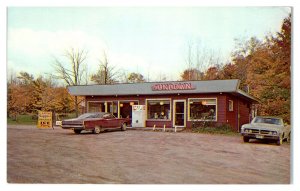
[245, 139]
[77, 131]
[97, 130]
[279, 141]
[288, 139]
[123, 127]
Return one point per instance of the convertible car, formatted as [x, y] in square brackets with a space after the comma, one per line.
[269, 128]
[95, 122]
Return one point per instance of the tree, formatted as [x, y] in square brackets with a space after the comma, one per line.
[135, 78]
[198, 60]
[229, 71]
[270, 73]
[106, 74]
[192, 74]
[73, 70]
[212, 73]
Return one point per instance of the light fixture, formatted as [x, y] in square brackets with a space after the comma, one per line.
[161, 103]
[121, 104]
[131, 103]
[204, 102]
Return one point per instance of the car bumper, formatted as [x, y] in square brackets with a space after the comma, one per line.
[79, 127]
[260, 136]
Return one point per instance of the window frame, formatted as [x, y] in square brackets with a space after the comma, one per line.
[159, 99]
[88, 105]
[189, 111]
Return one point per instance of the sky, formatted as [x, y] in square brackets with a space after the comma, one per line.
[152, 41]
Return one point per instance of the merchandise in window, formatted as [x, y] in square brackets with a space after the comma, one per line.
[203, 109]
[158, 109]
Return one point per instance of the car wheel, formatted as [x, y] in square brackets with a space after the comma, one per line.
[245, 139]
[77, 131]
[97, 130]
[279, 141]
[124, 126]
[288, 139]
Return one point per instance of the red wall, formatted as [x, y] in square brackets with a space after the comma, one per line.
[223, 113]
[244, 110]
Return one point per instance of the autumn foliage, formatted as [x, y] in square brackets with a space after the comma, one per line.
[28, 95]
[264, 68]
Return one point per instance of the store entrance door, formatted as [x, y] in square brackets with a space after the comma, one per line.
[179, 111]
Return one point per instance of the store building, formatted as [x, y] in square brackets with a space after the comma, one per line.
[176, 103]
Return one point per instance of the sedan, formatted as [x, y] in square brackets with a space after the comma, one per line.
[267, 128]
[95, 122]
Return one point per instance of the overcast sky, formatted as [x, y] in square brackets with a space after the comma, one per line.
[151, 41]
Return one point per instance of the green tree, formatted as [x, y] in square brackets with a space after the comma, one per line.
[135, 78]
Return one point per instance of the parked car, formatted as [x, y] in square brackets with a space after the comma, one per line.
[268, 128]
[96, 122]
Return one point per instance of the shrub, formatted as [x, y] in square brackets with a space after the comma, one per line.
[215, 129]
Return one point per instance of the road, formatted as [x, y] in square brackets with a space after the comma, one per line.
[141, 157]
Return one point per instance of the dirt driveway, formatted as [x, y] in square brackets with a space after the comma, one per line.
[59, 156]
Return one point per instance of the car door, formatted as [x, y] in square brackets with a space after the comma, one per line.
[115, 122]
[110, 120]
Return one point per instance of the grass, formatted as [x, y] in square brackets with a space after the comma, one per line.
[31, 119]
[22, 120]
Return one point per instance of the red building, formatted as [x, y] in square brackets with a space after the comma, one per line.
[173, 104]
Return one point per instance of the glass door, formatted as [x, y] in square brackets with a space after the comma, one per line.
[179, 113]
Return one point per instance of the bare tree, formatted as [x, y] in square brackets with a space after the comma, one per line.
[198, 59]
[72, 72]
[106, 73]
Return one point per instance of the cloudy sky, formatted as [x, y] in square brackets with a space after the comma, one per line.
[151, 41]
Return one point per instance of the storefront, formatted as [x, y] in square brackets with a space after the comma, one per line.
[172, 103]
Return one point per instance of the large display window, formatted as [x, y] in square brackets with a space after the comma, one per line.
[96, 106]
[159, 109]
[203, 109]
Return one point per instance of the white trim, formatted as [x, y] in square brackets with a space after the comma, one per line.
[230, 105]
[111, 101]
[184, 112]
[202, 98]
[155, 99]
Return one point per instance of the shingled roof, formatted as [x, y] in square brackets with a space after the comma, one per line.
[159, 88]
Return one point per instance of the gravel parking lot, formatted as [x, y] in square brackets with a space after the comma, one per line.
[141, 157]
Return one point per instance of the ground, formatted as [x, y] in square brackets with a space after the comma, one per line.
[141, 157]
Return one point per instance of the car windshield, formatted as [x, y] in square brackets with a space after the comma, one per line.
[268, 120]
[90, 115]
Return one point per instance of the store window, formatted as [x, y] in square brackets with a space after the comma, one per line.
[96, 106]
[112, 107]
[159, 109]
[203, 109]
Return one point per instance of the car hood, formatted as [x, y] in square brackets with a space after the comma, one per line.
[263, 126]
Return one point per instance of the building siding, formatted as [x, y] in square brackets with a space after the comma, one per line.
[224, 116]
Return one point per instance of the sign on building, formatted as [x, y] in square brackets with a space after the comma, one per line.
[44, 119]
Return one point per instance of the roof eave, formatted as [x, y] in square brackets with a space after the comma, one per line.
[248, 96]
